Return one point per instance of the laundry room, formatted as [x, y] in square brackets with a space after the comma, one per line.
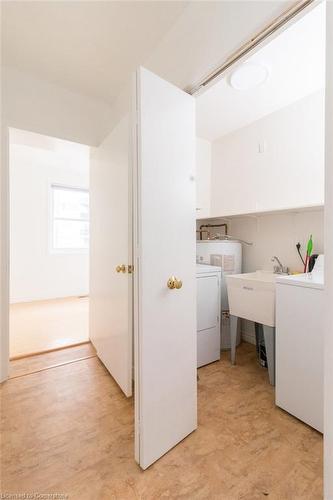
[260, 215]
[165, 231]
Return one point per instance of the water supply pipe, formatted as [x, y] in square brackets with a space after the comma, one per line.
[201, 229]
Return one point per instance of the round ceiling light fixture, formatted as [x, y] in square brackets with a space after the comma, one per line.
[248, 76]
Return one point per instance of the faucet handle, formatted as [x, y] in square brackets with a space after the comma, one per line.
[281, 270]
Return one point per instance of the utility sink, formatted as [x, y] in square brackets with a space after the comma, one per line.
[252, 296]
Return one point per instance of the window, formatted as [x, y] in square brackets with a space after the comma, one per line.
[70, 218]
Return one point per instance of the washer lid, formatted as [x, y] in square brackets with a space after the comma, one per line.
[309, 280]
[207, 268]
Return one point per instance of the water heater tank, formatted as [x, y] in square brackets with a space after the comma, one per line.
[226, 254]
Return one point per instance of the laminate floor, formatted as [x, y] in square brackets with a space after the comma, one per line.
[52, 359]
[69, 430]
[48, 324]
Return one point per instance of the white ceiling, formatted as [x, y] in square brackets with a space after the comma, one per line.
[86, 47]
[296, 63]
[92, 47]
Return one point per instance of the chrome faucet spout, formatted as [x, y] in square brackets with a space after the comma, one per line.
[277, 260]
[279, 269]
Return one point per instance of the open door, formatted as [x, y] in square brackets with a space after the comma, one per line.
[165, 313]
[111, 304]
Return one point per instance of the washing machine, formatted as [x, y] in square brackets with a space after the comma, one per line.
[227, 255]
[300, 312]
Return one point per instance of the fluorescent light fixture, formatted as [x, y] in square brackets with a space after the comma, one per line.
[248, 76]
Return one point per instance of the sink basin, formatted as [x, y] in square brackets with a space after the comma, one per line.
[252, 296]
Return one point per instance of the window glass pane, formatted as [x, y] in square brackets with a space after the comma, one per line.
[70, 203]
[69, 234]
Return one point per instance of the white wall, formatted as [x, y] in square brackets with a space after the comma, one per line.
[203, 176]
[36, 273]
[287, 172]
[39, 106]
[275, 234]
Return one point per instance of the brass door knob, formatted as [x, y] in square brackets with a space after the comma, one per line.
[121, 269]
[173, 283]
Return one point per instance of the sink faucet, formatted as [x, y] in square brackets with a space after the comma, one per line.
[279, 269]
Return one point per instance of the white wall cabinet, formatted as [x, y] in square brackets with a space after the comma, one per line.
[275, 163]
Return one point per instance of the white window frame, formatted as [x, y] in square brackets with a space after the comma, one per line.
[52, 249]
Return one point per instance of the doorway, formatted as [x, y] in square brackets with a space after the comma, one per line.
[49, 244]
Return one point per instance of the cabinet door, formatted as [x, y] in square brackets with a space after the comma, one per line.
[299, 352]
[165, 324]
[256, 168]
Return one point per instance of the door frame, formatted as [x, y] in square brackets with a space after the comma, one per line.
[136, 214]
[5, 244]
[328, 246]
[4, 254]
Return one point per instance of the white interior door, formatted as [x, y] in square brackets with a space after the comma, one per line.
[111, 302]
[165, 319]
